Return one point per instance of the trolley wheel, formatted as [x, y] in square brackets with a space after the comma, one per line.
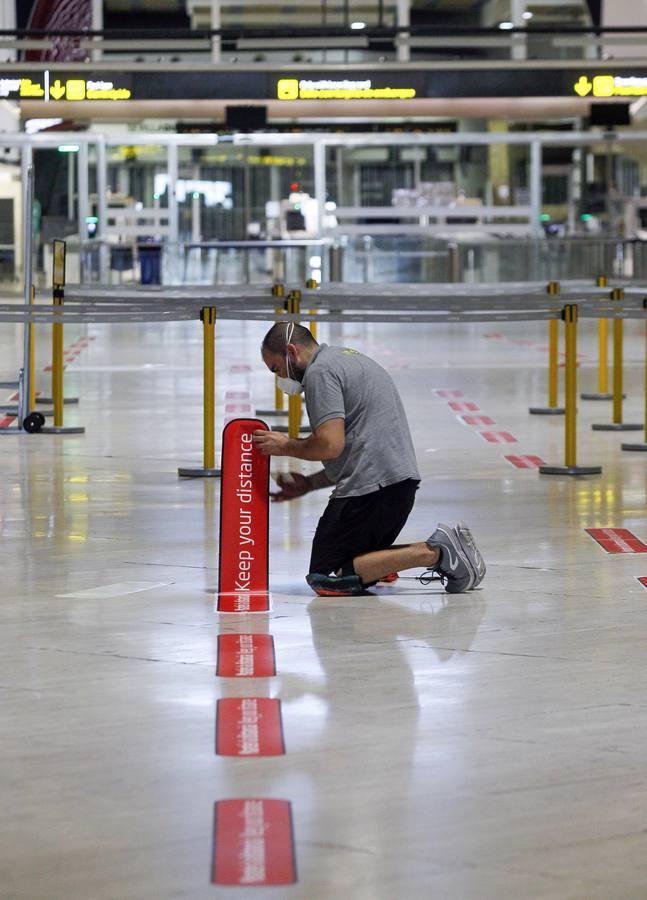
[33, 422]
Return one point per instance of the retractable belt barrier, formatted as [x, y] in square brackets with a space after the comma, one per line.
[552, 289]
[243, 562]
[208, 469]
[617, 296]
[642, 445]
[603, 356]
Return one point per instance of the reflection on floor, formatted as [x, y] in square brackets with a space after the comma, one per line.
[489, 745]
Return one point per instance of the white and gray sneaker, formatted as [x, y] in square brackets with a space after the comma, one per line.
[456, 569]
[472, 552]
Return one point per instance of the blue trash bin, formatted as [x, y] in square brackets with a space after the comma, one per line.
[150, 263]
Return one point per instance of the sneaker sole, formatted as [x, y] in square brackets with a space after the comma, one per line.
[479, 567]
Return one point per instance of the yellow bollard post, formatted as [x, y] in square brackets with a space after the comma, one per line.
[208, 318]
[603, 355]
[617, 295]
[278, 290]
[642, 446]
[570, 467]
[552, 289]
[312, 285]
[294, 400]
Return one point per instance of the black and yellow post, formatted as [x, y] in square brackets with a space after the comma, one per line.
[617, 296]
[552, 289]
[58, 363]
[312, 285]
[294, 427]
[208, 470]
[603, 355]
[570, 467]
[643, 445]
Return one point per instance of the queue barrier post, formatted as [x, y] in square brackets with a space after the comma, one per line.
[570, 467]
[311, 284]
[278, 290]
[208, 470]
[553, 289]
[617, 296]
[603, 355]
[58, 362]
[642, 446]
[294, 427]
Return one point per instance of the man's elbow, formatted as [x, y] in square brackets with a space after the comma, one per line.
[332, 449]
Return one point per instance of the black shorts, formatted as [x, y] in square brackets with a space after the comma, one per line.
[352, 526]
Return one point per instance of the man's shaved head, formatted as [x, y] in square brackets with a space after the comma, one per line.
[275, 341]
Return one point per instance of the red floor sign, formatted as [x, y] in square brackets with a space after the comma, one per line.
[617, 540]
[244, 520]
[253, 843]
[249, 726]
[246, 656]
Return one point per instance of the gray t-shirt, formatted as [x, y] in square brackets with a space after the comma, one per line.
[342, 383]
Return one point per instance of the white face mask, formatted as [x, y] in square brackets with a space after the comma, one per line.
[289, 385]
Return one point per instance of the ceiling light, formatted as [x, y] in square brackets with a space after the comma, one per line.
[505, 26]
[526, 15]
[357, 26]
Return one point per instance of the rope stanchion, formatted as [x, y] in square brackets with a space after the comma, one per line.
[58, 365]
[294, 427]
[603, 355]
[312, 285]
[570, 466]
[208, 470]
[553, 289]
[278, 290]
[642, 446]
[617, 295]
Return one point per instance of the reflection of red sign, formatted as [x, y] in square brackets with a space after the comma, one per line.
[246, 656]
[617, 540]
[244, 520]
[253, 843]
[249, 726]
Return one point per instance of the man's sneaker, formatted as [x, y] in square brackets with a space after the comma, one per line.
[454, 564]
[336, 585]
[470, 549]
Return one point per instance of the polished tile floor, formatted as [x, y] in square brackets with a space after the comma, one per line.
[489, 745]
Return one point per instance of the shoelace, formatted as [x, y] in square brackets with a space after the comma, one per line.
[430, 575]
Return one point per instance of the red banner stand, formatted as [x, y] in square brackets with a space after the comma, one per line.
[243, 577]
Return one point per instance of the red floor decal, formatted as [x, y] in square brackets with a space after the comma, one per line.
[525, 462]
[246, 656]
[237, 395]
[253, 843]
[464, 407]
[617, 540]
[498, 437]
[238, 407]
[6, 421]
[643, 580]
[249, 726]
[444, 394]
[477, 420]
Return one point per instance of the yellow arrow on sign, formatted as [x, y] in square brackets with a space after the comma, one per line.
[56, 90]
[583, 86]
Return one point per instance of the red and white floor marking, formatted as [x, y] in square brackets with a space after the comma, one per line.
[253, 843]
[246, 656]
[462, 406]
[445, 393]
[498, 437]
[476, 420]
[525, 462]
[6, 421]
[617, 540]
[249, 726]
[643, 580]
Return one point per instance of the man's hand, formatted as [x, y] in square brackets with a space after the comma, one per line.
[271, 443]
[292, 485]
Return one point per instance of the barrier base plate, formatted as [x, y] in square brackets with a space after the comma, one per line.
[284, 429]
[199, 473]
[599, 396]
[66, 400]
[9, 384]
[613, 426]
[63, 429]
[634, 446]
[271, 412]
[570, 470]
[546, 411]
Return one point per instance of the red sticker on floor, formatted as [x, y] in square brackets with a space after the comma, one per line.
[617, 540]
[463, 407]
[6, 421]
[249, 726]
[253, 843]
[525, 462]
[477, 420]
[246, 656]
[643, 580]
[244, 513]
[498, 437]
[443, 394]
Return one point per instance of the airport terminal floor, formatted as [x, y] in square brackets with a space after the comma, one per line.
[483, 745]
